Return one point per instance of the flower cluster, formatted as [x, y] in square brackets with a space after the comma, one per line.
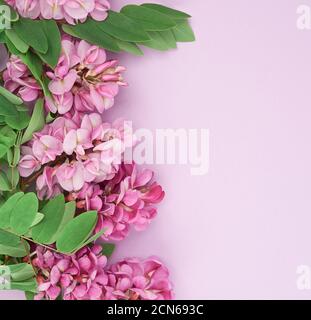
[70, 10]
[127, 199]
[135, 279]
[83, 80]
[75, 151]
[86, 276]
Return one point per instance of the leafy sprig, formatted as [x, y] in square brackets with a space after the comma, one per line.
[149, 25]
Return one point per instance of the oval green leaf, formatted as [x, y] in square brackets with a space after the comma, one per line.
[24, 213]
[150, 20]
[76, 232]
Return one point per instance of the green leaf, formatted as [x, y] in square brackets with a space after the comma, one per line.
[69, 213]
[7, 108]
[3, 150]
[28, 285]
[52, 34]
[37, 121]
[168, 38]
[108, 249]
[53, 212]
[174, 14]
[13, 177]
[4, 182]
[24, 213]
[19, 44]
[157, 41]
[10, 96]
[31, 31]
[150, 20]
[92, 238]
[39, 217]
[21, 272]
[18, 251]
[130, 47]
[91, 32]
[18, 122]
[7, 208]
[183, 32]
[123, 28]
[76, 232]
[33, 63]
[7, 238]
[7, 140]
[12, 245]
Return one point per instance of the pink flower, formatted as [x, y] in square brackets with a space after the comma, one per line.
[78, 9]
[90, 56]
[90, 193]
[52, 9]
[28, 163]
[60, 103]
[82, 80]
[127, 199]
[71, 10]
[47, 148]
[80, 276]
[77, 141]
[134, 279]
[64, 85]
[18, 80]
[71, 176]
[47, 185]
[85, 276]
[100, 11]
[28, 8]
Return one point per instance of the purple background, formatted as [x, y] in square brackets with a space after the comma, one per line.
[241, 230]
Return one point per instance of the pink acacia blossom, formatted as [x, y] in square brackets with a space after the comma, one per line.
[28, 8]
[86, 276]
[19, 80]
[47, 148]
[71, 10]
[47, 184]
[135, 279]
[83, 79]
[85, 149]
[28, 163]
[81, 276]
[128, 199]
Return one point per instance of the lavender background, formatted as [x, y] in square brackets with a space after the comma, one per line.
[240, 231]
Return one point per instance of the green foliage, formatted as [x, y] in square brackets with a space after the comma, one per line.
[149, 19]
[123, 28]
[52, 33]
[53, 213]
[22, 277]
[151, 25]
[36, 122]
[91, 32]
[32, 33]
[54, 224]
[76, 232]
[172, 13]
